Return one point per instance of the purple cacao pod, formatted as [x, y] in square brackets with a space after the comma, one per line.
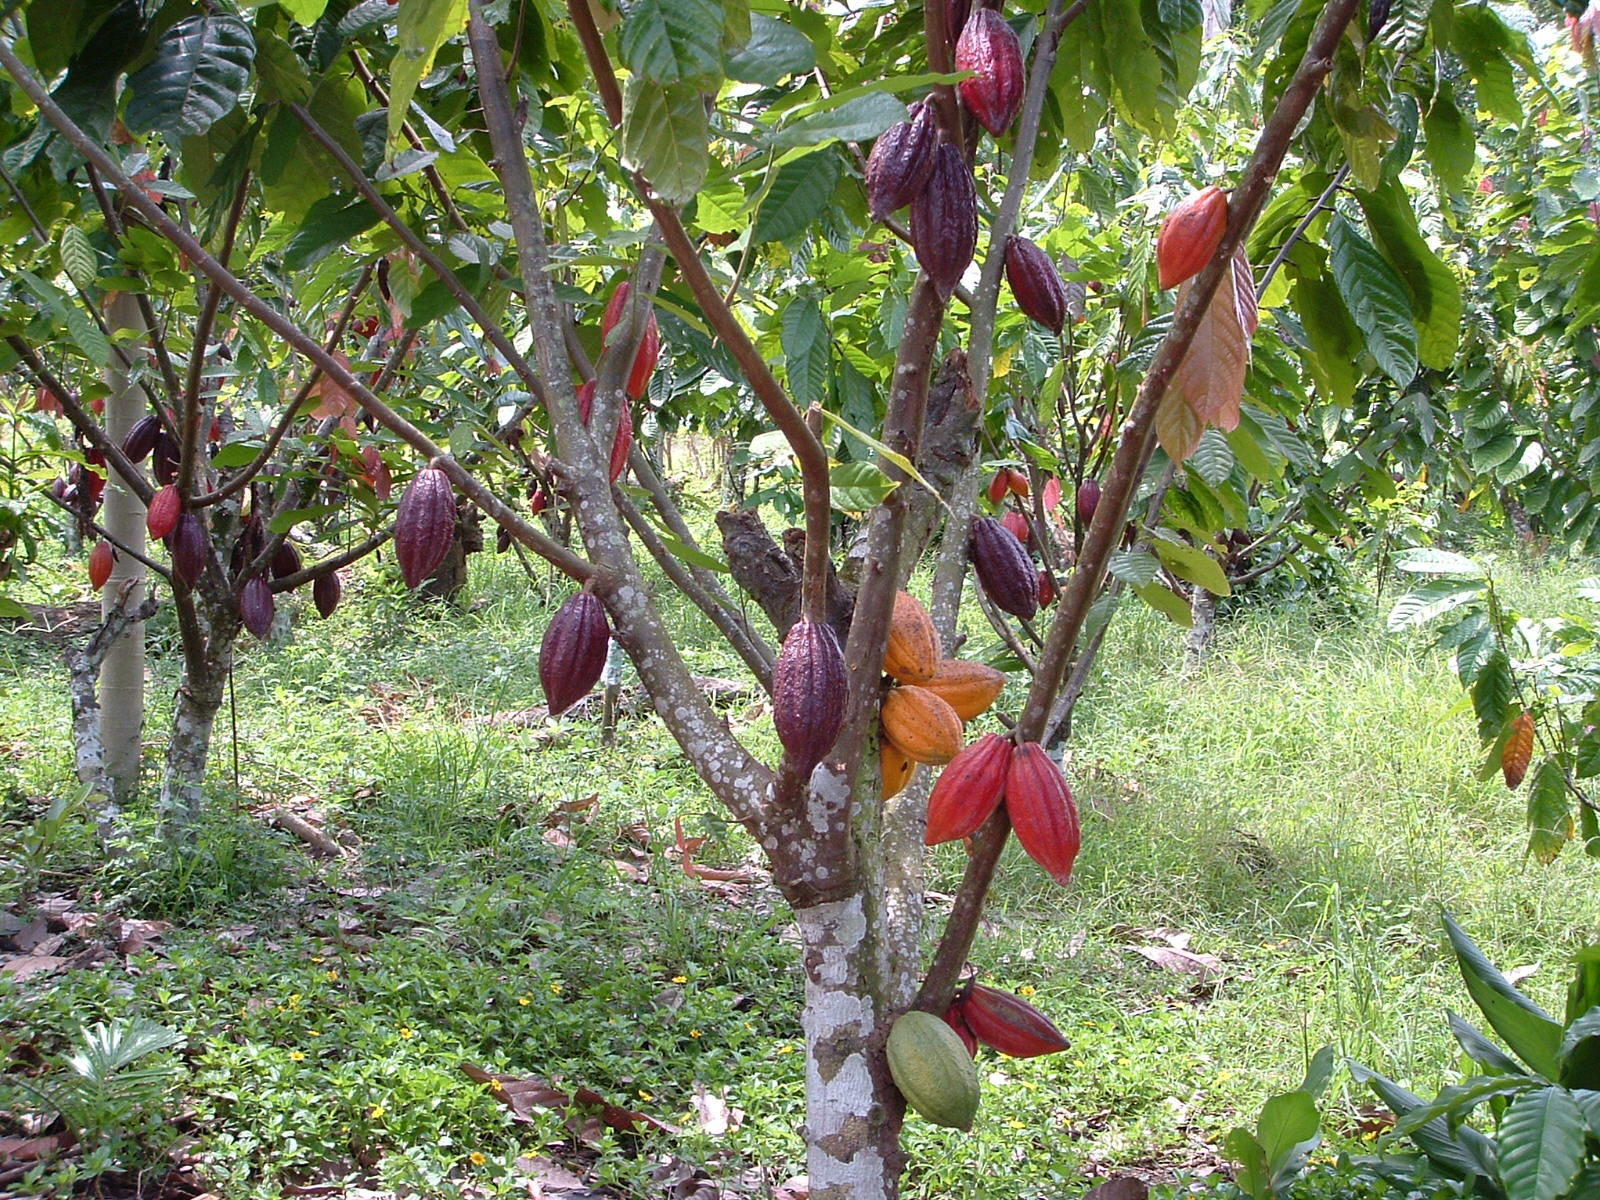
[809, 687]
[1088, 499]
[573, 652]
[425, 525]
[141, 439]
[944, 220]
[326, 591]
[246, 546]
[256, 606]
[989, 49]
[1004, 569]
[187, 544]
[901, 161]
[285, 560]
[1035, 283]
[166, 460]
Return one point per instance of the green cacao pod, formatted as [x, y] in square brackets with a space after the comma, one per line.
[932, 1069]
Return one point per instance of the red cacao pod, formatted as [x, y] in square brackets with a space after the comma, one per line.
[901, 161]
[968, 790]
[101, 559]
[1010, 1024]
[1042, 812]
[539, 502]
[644, 361]
[622, 442]
[246, 546]
[1047, 590]
[573, 653]
[256, 606]
[953, 1017]
[1035, 283]
[989, 49]
[141, 439]
[187, 544]
[425, 525]
[1088, 500]
[999, 486]
[1189, 235]
[326, 591]
[1004, 569]
[1016, 524]
[809, 687]
[285, 561]
[162, 515]
[944, 220]
[1017, 481]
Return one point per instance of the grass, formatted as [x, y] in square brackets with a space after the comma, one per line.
[1300, 811]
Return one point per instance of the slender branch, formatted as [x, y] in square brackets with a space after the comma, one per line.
[599, 62]
[101, 531]
[333, 562]
[1300, 230]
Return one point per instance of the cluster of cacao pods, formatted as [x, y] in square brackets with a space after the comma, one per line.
[1027, 781]
[573, 652]
[932, 698]
[986, 1016]
[1189, 235]
[911, 163]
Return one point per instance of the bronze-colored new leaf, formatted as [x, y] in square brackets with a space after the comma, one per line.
[1209, 382]
[1518, 750]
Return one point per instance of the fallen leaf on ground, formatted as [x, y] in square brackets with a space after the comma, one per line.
[1203, 966]
[585, 1107]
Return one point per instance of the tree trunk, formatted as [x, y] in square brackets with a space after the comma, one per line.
[1203, 615]
[208, 657]
[122, 672]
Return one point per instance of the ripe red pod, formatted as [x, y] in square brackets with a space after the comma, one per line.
[256, 606]
[1036, 283]
[162, 515]
[141, 439]
[101, 559]
[953, 1017]
[187, 544]
[1040, 805]
[425, 525]
[326, 592]
[999, 486]
[538, 502]
[944, 220]
[1047, 590]
[1088, 499]
[1017, 481]
[622, 442]
[901, 161]
[1005, 571]
[644, 362]
[1189, 235]
[989, 49]
[1010, 1024]
[1016, 525]
[809, 688]
[573, 652]
[968, 790]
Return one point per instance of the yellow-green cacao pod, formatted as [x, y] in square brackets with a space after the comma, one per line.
[933, 1070]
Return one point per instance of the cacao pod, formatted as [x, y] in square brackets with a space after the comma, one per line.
[988, 48]
[999, 486]
[573, 652]
[187, 544]
[425, 525]
[1047, 590]
[894, 768]
[1088, 500]
[141, 439]
[101, 559]
[256, 606]
[1018, 483]
[944, 220]
[933, 1070]
[968, 790]
[1010, 1024]
[166, 459]
[953, 1017]
[922, 727]
[644, 361]
[901, 161]
[162, 514]
[1036, 284]
[968, 687]
[326, 591]
[246, 546]
[809, 687]
[1004, 569]
[1042, 812]
[1189, 235]
[539, 501]
[285, 560]
[1016, 525]
[621, 443]
[912, 653]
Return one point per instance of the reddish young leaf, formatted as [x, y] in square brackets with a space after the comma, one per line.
[1518, 750]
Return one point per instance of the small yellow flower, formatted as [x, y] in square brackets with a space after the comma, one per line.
[555, 989]
[313, 1033]
[406, 1032]
[680, 979]
[644, 1095]
[331, 975]
[376, 1112]
[1028, 989]
[294, 999]
[476, 1158]
[296, 1056]
[318, 959]
[496, 1086]
[694, 1033]
[784, 1049]
[1016, 1124]
[524, 1000]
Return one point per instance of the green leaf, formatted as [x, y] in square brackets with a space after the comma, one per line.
[1483, 43]
[1190, 563]
[1448, 1149]
[1435, 294]
[1481, 1050]
[1550, 825]
[87, 337]
[423, 27]
[235, 454]
[1522, 1024]
[692, 555]
[1428, 561]
[77, 257]
[1133, 566]
[1454, 1102]
[1431, 600]
[799, 194]
[285, 521]
[11, 610]
[775, 50]
[858, 486]
[1492, 693]
[805, 350]
[664, 136]
[1580, 1052]
[1212, 459]
[1166, 602]
[330, 225]
[1541, 1144]
[304, 12]
[860, 120]
[1287, 1129]
[674, 41]
[1451, 146]
[1376, 299]
[1251, 1170]
[59, 29]
[201, 67]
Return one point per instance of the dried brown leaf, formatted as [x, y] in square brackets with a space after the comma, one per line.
[586, 1109]
[1518, 750]
[1210, 379]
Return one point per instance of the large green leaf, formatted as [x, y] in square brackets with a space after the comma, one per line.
[1486, 49]
[1433, 599]
[57, 30]
[775, 50]
[805, 350]
[674, 41]
[330, 224]
[1521, 1024]
[201, 67]
[1334, 360]
[858, 486]
[1580, 1052]
[1166, 602]
[859, 120]
[1376, 299]
[1492, 694]
[422, 27]
[1287, 1131]
[1191, 563]
[1541, 1144]
[1450, 145]
[1481, 1050]
[1550, 825]
[1435, 294]
[801, 190]
[664, 136]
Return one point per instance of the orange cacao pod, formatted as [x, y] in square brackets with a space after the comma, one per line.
[913, 652]
[162, 515]
[425, 525]
[968, 687]
[1017, 481]
[989, 49]
[968, 790]
[1041, 810]
[894, 768]
[101, 559]
[1009, 1024]
[573, 652]
[901, 161]
[1004, 569]
[923, 727]
[1189, 235]
[808, 692]
[944, 220]
[1037, 286]
[256, 606]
